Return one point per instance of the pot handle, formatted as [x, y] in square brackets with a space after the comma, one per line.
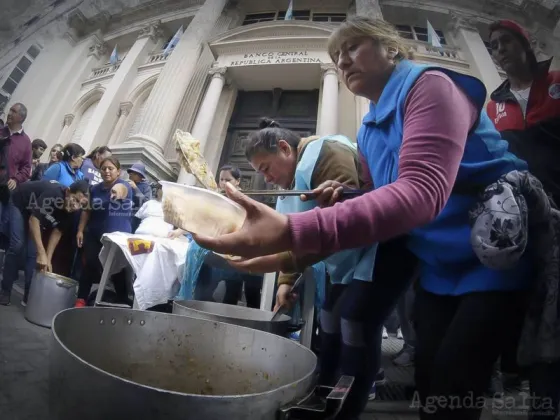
[323, 403]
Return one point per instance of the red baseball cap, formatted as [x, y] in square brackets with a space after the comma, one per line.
[512, 26]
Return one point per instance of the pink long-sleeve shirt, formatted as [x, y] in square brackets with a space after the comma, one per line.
[438, 117]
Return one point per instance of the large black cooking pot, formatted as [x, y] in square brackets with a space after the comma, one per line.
[109, 363]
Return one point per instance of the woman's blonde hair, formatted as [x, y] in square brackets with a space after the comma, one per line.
[364, 27]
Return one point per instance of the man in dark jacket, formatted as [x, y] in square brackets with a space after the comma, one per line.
[526, 110]
[15, 157]
[526, 107]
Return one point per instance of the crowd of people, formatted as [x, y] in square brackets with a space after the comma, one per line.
[54, 214]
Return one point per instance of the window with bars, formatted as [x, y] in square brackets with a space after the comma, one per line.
[296, 15]
[19, 71]
[329, 17]
[259, 17]
[419, 33]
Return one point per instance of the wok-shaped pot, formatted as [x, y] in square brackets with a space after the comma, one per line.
[233, 314]
[111, 363]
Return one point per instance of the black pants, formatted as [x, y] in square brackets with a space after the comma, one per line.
[93, 269]
[352, 319]
[234, 287]
[458, 340]
[545, 389]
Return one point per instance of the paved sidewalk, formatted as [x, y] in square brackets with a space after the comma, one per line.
[23, 365]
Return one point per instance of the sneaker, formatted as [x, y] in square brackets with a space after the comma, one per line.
[405, 358]
[4, 298]
[399, 334]
[380, 379]
[385, 335]
[372, 392]
[23, 303]
[80, 303]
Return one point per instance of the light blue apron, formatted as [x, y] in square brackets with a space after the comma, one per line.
[344, 266]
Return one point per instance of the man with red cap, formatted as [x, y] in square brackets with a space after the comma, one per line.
[526, 107]
[526, 110]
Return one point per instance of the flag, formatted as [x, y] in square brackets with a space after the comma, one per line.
[174, 41]
[290, 11]
[114, 57]
[433, 37]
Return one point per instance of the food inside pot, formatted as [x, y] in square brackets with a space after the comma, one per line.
[193, 376]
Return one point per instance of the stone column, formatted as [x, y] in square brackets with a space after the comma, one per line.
[472, 47]
[65, 134]
[206, 112]
[65, 88]
[98, 130]
[165, 98]
[122, 115]
[369, 8]
[329, 101]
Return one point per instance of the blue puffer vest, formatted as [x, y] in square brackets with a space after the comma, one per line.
[449, 265]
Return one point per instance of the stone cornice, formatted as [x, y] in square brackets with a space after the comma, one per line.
[125, 108]
[68, 120]
[462, 21]
[218, 72]
[152, 30]
[328, 68]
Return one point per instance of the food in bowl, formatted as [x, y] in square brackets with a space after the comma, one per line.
[192, 160]
[200, 211]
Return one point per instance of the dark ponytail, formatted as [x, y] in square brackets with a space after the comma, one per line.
[69, 152]
[267, 137]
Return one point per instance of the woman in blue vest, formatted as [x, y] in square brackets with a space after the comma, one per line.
[430, 147]
[66, 171]
[290, 162]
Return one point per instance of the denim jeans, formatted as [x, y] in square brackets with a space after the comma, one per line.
[20, 247]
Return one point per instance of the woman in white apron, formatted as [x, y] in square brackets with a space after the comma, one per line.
[285, 159]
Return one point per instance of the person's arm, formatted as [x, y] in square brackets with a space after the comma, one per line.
[23, 172]
[438, 117]
[35, 232]
[54, 239]
[52, 173]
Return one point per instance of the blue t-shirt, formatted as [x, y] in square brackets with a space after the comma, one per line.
[91, 173]
[106, 215]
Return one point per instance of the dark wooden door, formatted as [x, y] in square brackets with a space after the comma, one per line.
[296, 110]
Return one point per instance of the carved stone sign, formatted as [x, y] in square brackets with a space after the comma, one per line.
[276, 57]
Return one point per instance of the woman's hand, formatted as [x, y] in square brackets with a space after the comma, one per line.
[118, 192]
[264, 232]
[176, 233]
[80, 238]
[284, 297]
[326, 194]
[267, 264]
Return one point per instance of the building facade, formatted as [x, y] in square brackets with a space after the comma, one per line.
[235, 62]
